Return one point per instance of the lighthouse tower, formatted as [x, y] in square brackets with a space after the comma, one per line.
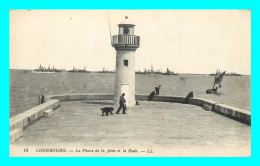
[125, 44]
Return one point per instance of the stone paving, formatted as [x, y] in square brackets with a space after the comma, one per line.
[169, 129]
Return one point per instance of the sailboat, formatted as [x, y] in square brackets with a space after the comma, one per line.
[217, 82]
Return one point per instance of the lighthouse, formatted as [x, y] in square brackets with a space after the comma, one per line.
[125, 44]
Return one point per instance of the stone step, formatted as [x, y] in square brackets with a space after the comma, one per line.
[48, 113]
[15, 134]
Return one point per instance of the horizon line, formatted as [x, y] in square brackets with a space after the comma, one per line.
[111, 71]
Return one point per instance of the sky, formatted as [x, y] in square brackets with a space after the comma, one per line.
[185, 41]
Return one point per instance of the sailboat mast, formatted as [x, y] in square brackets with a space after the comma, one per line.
[215, 79]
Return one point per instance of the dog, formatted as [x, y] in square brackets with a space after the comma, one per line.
[107, 110]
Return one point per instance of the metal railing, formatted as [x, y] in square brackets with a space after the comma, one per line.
[130, 40]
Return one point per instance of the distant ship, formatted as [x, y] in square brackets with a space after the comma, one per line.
[168, 72]
[105, 71]
[79, 70]
[42, 69]
[229, 74]
[151, 72]
[217, 82]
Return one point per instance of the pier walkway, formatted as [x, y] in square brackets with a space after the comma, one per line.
[150, 129]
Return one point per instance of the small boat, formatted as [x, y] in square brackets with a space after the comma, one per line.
[217, 82]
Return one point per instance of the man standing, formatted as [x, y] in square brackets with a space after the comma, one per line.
[157, 89]
[122, 104]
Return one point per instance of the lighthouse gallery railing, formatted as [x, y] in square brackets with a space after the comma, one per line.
[126, 40]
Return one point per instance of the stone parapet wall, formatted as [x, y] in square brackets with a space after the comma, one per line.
[238, 114]
[201, 102]
[24, 119]
[241, 115]
[161, 98]
[231, 112]
[81, 97]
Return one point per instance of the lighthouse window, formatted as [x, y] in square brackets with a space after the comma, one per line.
[126, 63]
[126, 31]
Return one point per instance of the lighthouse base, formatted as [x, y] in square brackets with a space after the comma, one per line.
[129, 96]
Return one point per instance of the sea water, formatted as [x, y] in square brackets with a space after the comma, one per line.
[25, 87]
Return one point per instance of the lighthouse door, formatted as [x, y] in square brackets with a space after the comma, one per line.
[125, 88]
